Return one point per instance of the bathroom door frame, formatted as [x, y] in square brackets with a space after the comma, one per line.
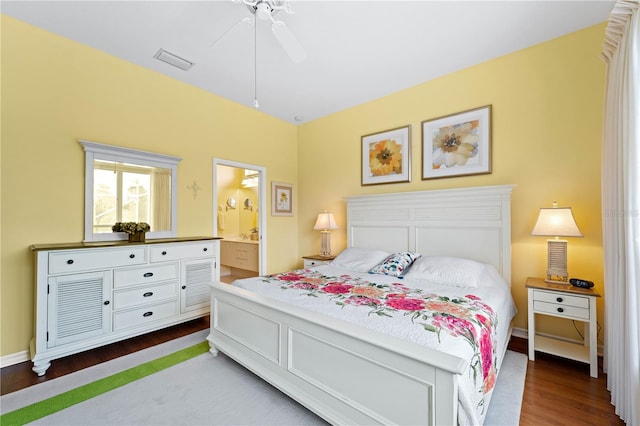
[262, 205]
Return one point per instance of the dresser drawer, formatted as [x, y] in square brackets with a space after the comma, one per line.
[144, 315]
[144, 295]
[161, 253]
[561, 298]
[62, 262]
[560, 310]
[145, 274]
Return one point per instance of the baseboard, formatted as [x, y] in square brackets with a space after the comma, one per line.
[13, 359]
[524, 334]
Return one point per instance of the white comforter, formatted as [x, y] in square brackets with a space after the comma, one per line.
[469, 322]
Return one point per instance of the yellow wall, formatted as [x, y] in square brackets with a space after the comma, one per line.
[547, 104]
[547, 115]
[54, 92]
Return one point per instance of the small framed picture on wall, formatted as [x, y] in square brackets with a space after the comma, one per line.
[281, 199]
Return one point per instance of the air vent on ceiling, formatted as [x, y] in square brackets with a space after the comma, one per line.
[171, 59]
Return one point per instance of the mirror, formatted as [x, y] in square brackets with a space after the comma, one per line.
[126, 185]
[231, 203]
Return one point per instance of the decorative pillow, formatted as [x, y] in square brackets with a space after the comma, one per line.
[359, 259]
[395, 265]
[455, 271]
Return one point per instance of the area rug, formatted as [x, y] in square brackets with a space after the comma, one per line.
[203, 389]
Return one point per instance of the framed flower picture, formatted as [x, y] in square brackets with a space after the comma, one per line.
[457, 144]
[386, 157]
[281, 199]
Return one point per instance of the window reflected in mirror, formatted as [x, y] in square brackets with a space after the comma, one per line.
[130, 193]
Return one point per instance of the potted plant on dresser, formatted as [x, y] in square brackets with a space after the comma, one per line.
[135, 230]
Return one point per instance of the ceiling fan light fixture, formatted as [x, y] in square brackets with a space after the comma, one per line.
[263, 11]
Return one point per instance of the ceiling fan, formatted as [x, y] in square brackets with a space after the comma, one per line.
[265, 10]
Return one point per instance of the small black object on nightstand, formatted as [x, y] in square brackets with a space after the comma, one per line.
[577, 282]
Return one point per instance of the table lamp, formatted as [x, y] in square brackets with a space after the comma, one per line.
[556, 222]
[324, 224]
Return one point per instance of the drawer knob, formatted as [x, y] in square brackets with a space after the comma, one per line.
[205, 249]
[131, 256]
[184, 287]
[70, 262]
[148, 294]
[561, 310]
[106, 302]
[148, 274]
[147, 314]
[559, 299]
[164, 253]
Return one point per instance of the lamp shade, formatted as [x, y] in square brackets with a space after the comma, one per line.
[556, 222]
[325, 222]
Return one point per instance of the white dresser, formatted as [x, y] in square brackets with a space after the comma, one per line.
[92, 294]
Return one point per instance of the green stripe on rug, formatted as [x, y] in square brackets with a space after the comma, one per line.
[67, 399]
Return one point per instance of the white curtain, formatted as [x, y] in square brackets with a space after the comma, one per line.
[161, 199]
[621, 209]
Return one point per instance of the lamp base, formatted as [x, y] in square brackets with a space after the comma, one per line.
[562, 280]
[557, 262]
[325, 243]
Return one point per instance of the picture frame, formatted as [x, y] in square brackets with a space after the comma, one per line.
[457, 145]
[281, 199]
[386, 156]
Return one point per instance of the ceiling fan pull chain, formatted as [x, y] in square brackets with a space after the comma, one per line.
[256, 105]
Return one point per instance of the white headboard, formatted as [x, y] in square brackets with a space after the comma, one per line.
[465, 222]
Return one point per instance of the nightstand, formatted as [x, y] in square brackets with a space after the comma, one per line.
[569, 302]
[316, 260]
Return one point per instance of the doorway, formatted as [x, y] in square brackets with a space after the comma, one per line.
[239, 218]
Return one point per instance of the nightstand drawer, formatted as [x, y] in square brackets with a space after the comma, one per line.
[565, 311]
[308, 263]
[316, 260]
[561, 299]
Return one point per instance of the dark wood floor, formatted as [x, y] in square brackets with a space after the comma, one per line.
[556, 392]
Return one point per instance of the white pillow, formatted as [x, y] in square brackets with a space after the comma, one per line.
[455, 271]
[359, 259]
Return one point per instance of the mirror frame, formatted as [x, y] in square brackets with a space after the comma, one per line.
[98, 151]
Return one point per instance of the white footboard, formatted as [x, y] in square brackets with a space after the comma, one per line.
[344, 373]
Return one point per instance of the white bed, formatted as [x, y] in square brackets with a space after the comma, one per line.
[347, 372]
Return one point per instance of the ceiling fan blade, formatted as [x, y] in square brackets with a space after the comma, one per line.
[233, 29]
[288, 41]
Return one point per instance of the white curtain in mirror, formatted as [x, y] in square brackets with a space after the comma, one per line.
[161, 196]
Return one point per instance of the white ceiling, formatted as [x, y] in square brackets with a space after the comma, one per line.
[357, 51]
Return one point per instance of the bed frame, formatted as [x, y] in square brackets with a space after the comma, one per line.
[349, 374]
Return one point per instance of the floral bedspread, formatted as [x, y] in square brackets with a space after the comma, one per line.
[463, 325]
